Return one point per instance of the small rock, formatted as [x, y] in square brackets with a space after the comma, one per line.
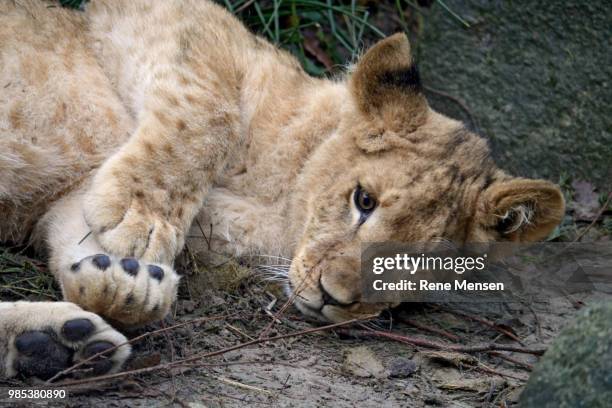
[361, 362]
[402, 367]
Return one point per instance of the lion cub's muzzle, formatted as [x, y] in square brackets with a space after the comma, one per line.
[335, 304]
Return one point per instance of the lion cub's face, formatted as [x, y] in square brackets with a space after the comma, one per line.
[398, 171]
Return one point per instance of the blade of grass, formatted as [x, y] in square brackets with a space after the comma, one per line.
[344, 10]
[400, 11]
[229, 6]
[265, 26]
[275, 15]
[452, 13]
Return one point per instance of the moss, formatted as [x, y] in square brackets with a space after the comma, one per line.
[535, 75]
[577, 369]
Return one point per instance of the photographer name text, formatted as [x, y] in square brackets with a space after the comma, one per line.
[425, 285]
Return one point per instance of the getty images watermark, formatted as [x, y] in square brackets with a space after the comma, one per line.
[494, 272]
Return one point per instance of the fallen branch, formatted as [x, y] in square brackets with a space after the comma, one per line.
[485, 322]
[503, 356]
[488, 370]
[430, 329]
[415, 341]
[234, 383]
[134, 340]
[200, 356]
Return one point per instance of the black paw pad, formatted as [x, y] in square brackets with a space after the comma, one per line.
[32, 343]
[130, 265]
[103, 363]
[156, 272]
[77, 329]
[98, 347]
[40, 355]
[101, 261]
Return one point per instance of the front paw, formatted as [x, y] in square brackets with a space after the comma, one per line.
[131, 217]
[40, 339]
[125, 291]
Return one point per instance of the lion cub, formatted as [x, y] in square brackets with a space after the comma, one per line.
[122, 124]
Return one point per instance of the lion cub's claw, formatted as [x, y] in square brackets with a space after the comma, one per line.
[124, 290]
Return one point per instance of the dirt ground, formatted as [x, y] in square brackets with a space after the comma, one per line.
[429, 361]
[340, 367]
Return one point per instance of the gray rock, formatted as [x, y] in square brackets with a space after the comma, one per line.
[576, 371]
[402, 367]
[535, 77]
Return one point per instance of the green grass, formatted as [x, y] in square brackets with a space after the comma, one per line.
[334, 30]
[322, 34]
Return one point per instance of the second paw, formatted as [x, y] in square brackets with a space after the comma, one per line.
[123, 290]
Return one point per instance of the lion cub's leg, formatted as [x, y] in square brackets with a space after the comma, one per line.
[144, 198]
[184, 87]
[127, 291]
[40, 339]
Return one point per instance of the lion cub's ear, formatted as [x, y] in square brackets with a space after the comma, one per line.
[386, 85]
[522, 209]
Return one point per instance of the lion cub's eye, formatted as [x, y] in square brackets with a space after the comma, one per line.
[364, 201]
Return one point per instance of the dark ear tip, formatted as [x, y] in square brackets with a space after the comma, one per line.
[386, 77]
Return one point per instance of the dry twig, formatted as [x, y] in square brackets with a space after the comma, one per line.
[430, 329]
[486, 322]
[134, 340]
[197, 357]
[416, 341]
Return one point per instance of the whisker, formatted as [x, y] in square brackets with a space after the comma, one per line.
[274, 278]
[272, 273]
[281, 267]
[263, 268]
[373, 325]
[273, 257]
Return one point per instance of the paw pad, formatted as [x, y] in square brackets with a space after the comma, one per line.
[42, 356]
[77, 329]
[97, 347]
[101, 261]
[130, 265]
[101, 364]
[156, 272]
[33, 343]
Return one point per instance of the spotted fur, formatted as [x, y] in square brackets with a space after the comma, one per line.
[122, 124]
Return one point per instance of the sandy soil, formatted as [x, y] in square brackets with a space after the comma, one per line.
[343, 367]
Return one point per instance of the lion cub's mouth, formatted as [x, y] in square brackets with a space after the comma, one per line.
[326, 308]
[325, 313]
[305, 305]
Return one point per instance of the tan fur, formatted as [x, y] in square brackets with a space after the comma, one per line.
[181, 113]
